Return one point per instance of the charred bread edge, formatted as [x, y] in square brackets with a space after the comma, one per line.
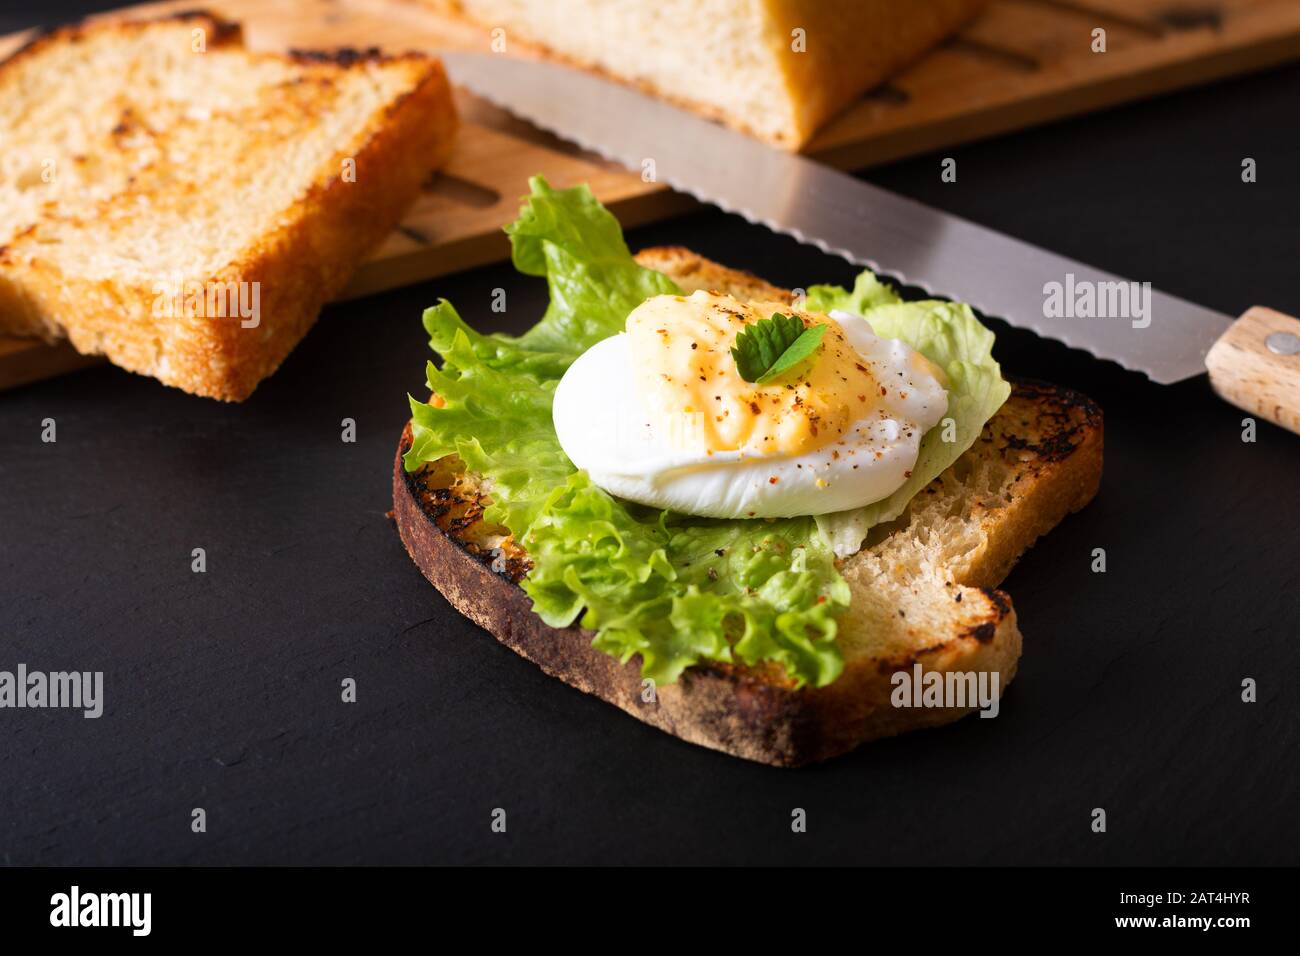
[223, 32]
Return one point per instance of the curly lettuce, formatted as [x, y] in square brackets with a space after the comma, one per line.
[675, 590]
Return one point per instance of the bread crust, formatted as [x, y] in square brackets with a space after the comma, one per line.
[1051, 436]
[309, 259]
[826, 76]
[826, 83]
[300, 263]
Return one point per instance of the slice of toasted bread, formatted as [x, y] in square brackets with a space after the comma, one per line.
[776, 69]
[186, 207]
[922, 587]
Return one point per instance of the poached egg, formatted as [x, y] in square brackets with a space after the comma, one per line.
[659, 414]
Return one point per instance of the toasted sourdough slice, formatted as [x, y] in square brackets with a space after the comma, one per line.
[186, 207]
[774, 68]
[922, 587]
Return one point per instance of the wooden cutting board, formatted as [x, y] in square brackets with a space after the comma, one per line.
[1022, 62]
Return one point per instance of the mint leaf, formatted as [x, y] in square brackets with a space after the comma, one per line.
[800, 349]
[771, 347]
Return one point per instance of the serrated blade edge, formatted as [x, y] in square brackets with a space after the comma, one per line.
[898, 237]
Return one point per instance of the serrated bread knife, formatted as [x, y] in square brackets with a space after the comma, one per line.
[1254, 361]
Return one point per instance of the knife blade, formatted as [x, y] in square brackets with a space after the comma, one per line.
[920, 246]
[867, 225]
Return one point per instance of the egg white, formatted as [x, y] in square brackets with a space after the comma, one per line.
[605, 428]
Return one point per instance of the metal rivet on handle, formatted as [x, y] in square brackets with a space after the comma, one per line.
[1283, 343]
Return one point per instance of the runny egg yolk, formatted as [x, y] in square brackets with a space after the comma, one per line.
[681, 348]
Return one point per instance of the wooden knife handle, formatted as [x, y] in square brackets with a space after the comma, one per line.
[1255, 365]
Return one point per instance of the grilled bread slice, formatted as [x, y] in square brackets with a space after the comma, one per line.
[923, 587]
[774, 68]
[184, 206]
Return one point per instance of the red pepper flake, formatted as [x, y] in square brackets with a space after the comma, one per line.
[753, 407]
[773, 480]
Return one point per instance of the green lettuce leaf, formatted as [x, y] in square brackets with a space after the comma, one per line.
[676, 590]
[681, 590]
[496, 415]
[574, 242]
[948, 334]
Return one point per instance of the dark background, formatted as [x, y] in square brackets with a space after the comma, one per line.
[223, 689]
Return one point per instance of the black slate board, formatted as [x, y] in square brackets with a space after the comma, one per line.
[223, 688]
